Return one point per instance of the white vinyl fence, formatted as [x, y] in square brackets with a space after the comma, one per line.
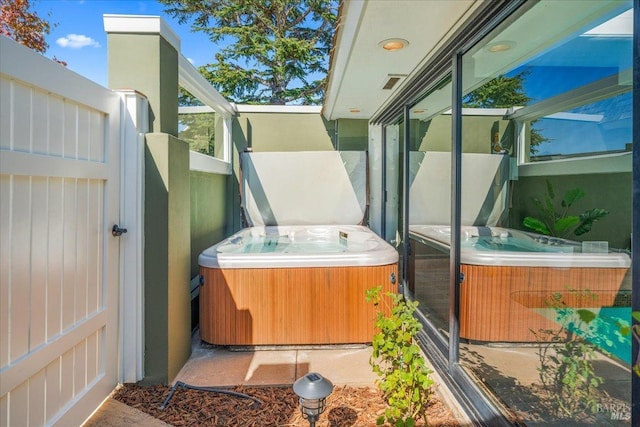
[59, 189]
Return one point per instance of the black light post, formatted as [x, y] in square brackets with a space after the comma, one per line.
[312, 389]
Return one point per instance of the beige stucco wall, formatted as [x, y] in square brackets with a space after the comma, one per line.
[288, 132]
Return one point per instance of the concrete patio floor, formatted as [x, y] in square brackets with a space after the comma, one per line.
[219, 366]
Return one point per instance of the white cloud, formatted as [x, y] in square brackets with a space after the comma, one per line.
[76, 41]
[192, 61]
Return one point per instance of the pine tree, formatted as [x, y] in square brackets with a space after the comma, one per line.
[272, 51]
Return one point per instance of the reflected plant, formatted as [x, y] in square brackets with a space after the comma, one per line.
[635, 330]
[566, 371]
[556, 222]
[405, 379]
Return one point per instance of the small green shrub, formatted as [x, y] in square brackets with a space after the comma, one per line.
[566, 370]
[557, 222]
[405, 379]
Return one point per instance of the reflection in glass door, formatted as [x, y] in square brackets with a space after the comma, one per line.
[429, 181]
[545, 305]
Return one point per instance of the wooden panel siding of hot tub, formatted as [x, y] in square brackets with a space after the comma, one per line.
[290, 306]
[504, 304]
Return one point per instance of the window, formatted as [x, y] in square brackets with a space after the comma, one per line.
[207, 128]
[572, 81]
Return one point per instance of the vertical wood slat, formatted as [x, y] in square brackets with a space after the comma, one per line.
[5, 269]
[21, 129]
[19, 411]
[83, 134]
[69, 252]
[4, 411]
[97, 137]
[80, 367]
[82, 246]
[92, 357]
[38, 261]
[70, 131]
[56, 126]
[40, 123]
[6, 99]
[54, 400]
[502, 304]
[37, 390]
[289, 306]
[67, 377]
[54, 238]
[94, 246]
[20, 235]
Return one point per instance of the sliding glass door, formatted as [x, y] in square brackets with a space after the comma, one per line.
[545, 236]
[515, 213]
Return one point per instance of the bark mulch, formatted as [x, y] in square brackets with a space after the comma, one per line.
[346, 406]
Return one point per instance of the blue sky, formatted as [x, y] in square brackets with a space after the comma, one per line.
[79, 38]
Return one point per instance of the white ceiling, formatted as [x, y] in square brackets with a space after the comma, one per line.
[360, 67]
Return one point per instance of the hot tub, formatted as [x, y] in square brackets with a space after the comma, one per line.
[293, 285]
[511, 275]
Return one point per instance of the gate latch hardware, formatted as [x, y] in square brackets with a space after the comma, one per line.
[116, 231]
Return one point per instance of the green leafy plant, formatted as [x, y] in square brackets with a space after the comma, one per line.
[566, 370]
[635, 330]
[558, 222]
[405, 379]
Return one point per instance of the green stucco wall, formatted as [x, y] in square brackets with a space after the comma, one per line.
[208, 213]
[167, 257]
[148, 64]
[353, 135]
[606, 191]
[478, 133]
[282, 132]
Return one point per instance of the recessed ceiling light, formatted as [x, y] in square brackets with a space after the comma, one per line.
[500, 46]
[418, 111]
[354, 110]
[393, 44]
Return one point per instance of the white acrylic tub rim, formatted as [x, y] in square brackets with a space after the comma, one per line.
[440, 235]
[362, 247]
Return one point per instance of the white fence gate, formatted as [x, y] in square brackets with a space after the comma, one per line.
[59, 188]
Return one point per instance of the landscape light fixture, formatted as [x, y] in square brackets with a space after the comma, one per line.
[312, 389]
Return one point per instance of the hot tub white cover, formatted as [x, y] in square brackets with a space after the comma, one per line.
[304, 187]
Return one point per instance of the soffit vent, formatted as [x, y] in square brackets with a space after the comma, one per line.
[392, 80]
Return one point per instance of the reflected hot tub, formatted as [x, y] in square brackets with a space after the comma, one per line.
[291, 285]
[510, 276]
